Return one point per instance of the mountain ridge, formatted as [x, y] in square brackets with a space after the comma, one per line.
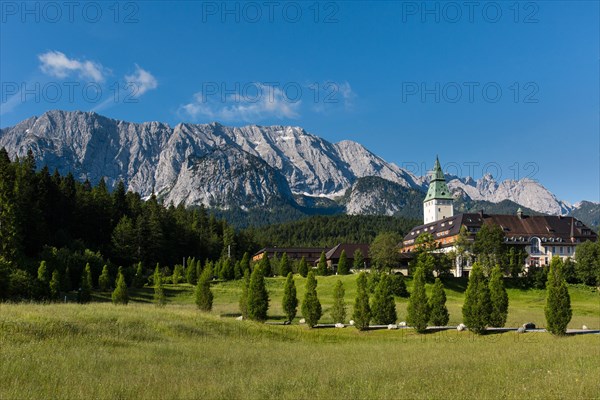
[261, 165]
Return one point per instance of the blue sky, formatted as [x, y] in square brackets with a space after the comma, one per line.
[501, 87]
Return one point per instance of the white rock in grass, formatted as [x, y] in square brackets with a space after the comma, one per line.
[392, 326]
[584, 327]
[403, 323]
[521, 330]
[338, 325]
[302, 321]
[461, 327]
[351, 322]
[240, 318]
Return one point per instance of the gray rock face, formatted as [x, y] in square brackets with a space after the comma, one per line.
[248, 166]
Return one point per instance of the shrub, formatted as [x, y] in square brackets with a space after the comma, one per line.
[159, 292]
[398, 285]
[322, 265]
[303, 268]
[85, 290]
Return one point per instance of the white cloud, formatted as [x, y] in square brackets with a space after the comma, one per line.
[142, 80]
[269, 102]
[57, 64]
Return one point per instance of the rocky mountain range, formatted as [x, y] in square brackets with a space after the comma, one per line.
[251, 167]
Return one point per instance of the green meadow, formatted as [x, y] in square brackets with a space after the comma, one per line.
[99, 350]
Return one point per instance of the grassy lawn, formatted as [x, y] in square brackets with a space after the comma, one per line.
[103, 351]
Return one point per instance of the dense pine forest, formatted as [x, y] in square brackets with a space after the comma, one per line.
[66, 224]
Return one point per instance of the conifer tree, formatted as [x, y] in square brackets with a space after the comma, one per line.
[120, 295]
[55, 285]
[338, 311]
[43, 280]
[498, 298]
[245, 263]
[177, 274]
[204, 296]
[383, 305]
[258, 297]
[322, 265]
[104, 279]
[362, 310]
[477, 307]
[290, 301]
[159, 291]
[265, 266]
[190, 272]
[558, 302]
[244, 296]
[343, 264]
[418, 310]
[284, 265]
[85, 290]
[303, 267]
[311, 306]
[138, 279]
[359, 260]
[398, 285]
[67, 285]
[437, 303]
[237, 271]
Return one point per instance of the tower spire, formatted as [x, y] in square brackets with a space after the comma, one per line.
[438, 201]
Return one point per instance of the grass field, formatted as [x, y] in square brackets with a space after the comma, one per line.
[140, 351]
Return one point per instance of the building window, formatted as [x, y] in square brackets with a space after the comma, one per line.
[535, 246]
[561, 250]
[569, 250]
[553, 249]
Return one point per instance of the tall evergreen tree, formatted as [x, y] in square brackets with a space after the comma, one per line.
[362, 310]
[383, 305]
[85, 289]
[190, 272]
[258, 297]
[204, 296]
[55, 285]
[342, 268]
[244, 296]
[284, 265]
[43, 280]
[138, 279]
[290, 301]
[159, 291]
[477, 306]
[265, 266]
[177, 274]
[104, 279]
[245, 263]
[498, 298]
[437, 303]
[303, 267]
[558, 302]
[322, 265]
[120, 295]
[338, 310]
[398, 285]
[418, 310]
[359, 260]
[384, 250]
[311, 306]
